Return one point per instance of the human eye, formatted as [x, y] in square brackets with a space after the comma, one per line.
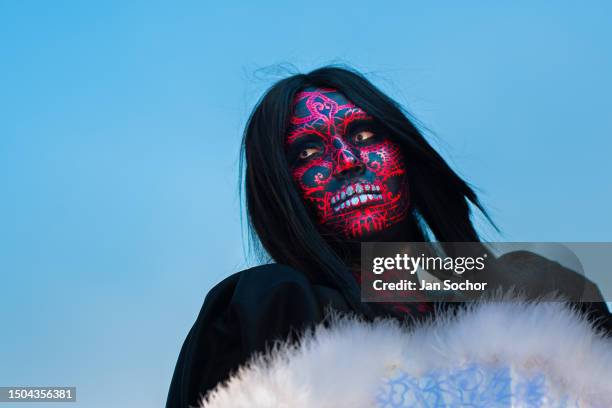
[308, 152]
[307, 147]
[364, 136]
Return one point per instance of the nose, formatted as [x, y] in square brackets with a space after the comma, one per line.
[346, 162]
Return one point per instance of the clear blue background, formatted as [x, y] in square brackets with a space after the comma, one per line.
[120, 125]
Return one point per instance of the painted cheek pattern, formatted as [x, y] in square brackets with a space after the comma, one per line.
[312, 181]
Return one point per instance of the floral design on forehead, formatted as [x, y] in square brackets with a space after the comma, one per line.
[323, 108]
[346, 168]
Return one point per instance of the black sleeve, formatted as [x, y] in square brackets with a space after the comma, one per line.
[529, 265]
[241, 315]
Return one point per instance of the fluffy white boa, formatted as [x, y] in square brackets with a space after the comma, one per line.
[492, 354]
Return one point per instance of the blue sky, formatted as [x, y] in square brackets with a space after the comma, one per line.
[119, 141]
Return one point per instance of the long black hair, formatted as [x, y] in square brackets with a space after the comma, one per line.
[281, 222]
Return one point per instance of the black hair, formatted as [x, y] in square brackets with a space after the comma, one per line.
[280, 220]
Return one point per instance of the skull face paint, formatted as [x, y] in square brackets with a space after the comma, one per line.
[346, 168]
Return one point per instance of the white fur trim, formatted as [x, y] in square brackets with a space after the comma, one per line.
[342, 365]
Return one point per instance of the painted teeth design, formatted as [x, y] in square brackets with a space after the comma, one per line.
[355, 194]
[344, 200]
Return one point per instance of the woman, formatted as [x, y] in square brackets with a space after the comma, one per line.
[331, 162]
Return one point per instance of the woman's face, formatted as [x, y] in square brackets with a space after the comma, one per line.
[346, 168]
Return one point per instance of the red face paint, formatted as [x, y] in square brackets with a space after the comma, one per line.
[346, 168]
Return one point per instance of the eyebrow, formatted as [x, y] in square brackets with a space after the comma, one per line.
[353, 117]
[304, 131]
[352, 125]
[305, 139]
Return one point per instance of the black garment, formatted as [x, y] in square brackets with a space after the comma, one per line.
[240, 316]
[248, 310]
